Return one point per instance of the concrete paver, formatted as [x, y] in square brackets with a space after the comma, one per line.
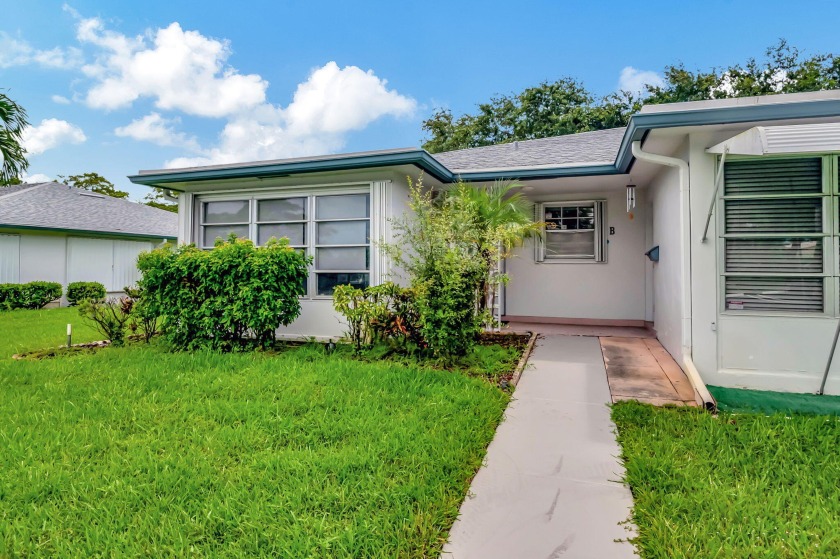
[550, 486]
[641, 369]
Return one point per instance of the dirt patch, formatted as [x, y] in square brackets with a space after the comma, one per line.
[62, 351]
[516, 341]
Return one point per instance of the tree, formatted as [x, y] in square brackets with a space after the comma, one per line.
[94, 182]
[13, 121]
[158, 200]
[566, 107]
[549, 109]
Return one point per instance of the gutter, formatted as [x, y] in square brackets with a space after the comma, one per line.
[681, 165]
[14, 228]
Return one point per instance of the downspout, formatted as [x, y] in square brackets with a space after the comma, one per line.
[693, 375]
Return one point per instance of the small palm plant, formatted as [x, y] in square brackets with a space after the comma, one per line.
[501, 218]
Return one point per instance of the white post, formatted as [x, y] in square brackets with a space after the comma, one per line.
[69, 335]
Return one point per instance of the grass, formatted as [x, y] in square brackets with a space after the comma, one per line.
[25, 330]
[738, 400]
[134, 451]
[731, 486]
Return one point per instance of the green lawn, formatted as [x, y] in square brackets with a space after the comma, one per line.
[137, 452]
[732, 486]
[30, 330]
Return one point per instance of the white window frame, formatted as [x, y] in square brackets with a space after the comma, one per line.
[310, 193]
[202, 224]
[314, 221]
[600, 215]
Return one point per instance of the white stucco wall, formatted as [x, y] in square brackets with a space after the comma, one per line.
[612, 290]
[665, 278]
[747, 349]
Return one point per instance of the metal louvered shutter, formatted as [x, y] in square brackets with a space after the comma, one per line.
[774, 238]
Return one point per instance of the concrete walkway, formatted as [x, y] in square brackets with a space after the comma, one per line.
[549, 487]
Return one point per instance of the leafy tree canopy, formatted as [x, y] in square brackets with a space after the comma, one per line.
[567, 107]
[157, 200]
[13, 121]
[94, 182]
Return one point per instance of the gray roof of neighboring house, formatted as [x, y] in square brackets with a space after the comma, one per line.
[586, 148]
[50, 205]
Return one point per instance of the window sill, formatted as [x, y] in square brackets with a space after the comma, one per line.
[571, 261]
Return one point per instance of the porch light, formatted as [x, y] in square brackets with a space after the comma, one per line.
[631, 198]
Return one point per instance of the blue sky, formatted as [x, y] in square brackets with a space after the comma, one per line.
[114, 87]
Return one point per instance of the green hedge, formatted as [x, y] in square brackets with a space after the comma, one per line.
[32, 295]
[220, 298]
[79, 291]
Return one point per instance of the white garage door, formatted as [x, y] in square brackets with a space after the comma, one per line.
[125, 262]
[111, 263]
[9, 258]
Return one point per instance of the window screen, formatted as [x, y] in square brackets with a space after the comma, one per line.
[774, 235]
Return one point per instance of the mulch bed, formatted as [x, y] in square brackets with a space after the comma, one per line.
[517, 341]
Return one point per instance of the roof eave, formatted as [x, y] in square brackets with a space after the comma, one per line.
[640, 124]
[87, 232]
[420, 158]
[545, 173]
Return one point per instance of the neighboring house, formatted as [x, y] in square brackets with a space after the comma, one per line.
[751, 300]
[55, 232]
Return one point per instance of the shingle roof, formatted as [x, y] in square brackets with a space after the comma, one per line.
[57, 206]
[586, 148]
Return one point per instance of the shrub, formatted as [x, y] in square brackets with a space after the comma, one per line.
[79, 291]
[384, 312]
[108, 316]
[436, 245]
[10, 296]
[221, 297]
[32, 295]
[143, 319]
[447, 304]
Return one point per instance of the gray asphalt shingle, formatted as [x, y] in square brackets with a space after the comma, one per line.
[586, 148]
[58, 206]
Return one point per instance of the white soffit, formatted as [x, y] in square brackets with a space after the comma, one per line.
[797, 138]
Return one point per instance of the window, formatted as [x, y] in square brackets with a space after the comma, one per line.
[342, 241]
[333, 228]
[776, 234]
[573, 231]
[220, 219]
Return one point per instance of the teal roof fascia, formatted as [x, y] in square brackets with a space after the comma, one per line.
[639, 125]
[418, 157]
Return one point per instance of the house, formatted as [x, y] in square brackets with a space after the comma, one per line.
[55, 232]
[738, 198]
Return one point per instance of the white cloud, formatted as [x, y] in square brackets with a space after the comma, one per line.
[185, 71]
[330, 103]
[179, 70]
[634, 80]
[335, 100]
[60, 99]
[37, 177]
[17, 52]
[51, 133]
[158, 130]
